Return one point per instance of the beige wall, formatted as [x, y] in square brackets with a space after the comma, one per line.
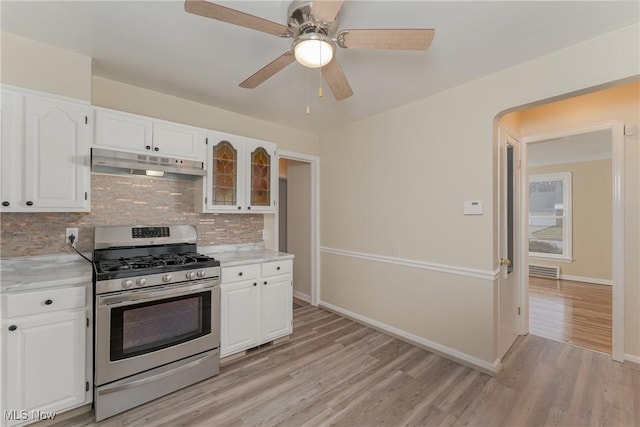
[394, 185]
[592, 198]
[299, 223]
[38, 66]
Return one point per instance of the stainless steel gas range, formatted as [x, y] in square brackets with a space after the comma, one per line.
[157, 315]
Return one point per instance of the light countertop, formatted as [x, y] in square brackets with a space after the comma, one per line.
[40, 272]
[234, 255]
[52, 271]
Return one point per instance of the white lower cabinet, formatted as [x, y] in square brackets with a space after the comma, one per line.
[256, 305]
[44, 337]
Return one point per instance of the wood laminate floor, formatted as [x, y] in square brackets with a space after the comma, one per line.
[573, 312]
[336, 372]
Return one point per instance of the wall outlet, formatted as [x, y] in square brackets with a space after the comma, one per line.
[71, 231]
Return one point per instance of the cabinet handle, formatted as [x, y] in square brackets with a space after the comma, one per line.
[13, 328]
[48, 302]
[5, 203]
[156, 149]
[240, 274]
[148, 147]
[29, 203]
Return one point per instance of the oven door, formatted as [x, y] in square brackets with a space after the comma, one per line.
[145, 328]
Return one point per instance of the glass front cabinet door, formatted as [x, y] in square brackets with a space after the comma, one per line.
[240, 175]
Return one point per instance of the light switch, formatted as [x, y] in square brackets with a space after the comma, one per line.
[473, 208]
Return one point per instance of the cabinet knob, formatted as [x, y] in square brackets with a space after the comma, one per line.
[48, 302]
[29, 203]
[5, 203]
[148, 147]
[265, 282]
[240, 274]
[255, 284]
[13, 328]
[239, 207]
[156, 149]
[249, 207]
[278, 268]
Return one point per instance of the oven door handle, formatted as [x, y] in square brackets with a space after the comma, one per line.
[148, 295]
[136, 383]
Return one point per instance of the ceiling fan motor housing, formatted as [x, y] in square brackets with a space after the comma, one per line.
[302, 22]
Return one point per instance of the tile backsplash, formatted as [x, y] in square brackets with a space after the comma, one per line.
[123, 200]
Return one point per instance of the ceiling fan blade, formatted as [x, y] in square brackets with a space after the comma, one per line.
[268, 70]
[395, 39]
[337, 81]
[326, 10]
[232, 16]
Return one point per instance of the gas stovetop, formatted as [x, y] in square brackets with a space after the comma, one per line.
[140, 257]
[144, 263]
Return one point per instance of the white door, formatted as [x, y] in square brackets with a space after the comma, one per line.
[56, 154]
[508, 282]
[239, 309]
[173, 140]
[277, 307]
[45, 362]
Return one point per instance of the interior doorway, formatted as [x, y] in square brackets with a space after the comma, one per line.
[611, 135]
[297, 221]
[570, 238]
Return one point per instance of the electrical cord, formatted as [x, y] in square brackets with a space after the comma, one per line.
[72, 239]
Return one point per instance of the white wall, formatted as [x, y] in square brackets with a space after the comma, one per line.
[394, 184]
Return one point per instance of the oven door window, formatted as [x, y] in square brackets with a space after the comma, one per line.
[150, 326]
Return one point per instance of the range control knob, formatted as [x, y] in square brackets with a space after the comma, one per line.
[191, 275]
[202, 273]
[167, 278]
[141, 281]
[127, 283]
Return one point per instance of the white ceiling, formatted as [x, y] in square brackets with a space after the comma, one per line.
[157, 45]
[571, 149]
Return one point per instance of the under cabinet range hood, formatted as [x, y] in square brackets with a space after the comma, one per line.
[153, 166]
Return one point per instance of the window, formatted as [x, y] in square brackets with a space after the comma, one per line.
[550, 215]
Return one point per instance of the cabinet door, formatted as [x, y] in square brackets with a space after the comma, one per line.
[11, 153]
[240, 316]
[261, 176]
[277, 307]
[57, 173]
[173, 140]
[45, 363]
[226, 178]
[123, 131]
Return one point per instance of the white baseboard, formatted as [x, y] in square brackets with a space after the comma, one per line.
[632, 358]
[586, 279]
[449, 353]
[303, 297]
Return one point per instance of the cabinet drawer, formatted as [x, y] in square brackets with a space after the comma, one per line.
[241, 272]
[276, 268]
[38, 302]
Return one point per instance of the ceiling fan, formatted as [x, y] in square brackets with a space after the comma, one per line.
[312, 24]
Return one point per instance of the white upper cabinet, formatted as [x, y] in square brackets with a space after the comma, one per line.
[138, 134]
[45, 154]
[240, 175]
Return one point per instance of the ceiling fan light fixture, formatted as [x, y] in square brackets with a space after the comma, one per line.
[313, 50]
